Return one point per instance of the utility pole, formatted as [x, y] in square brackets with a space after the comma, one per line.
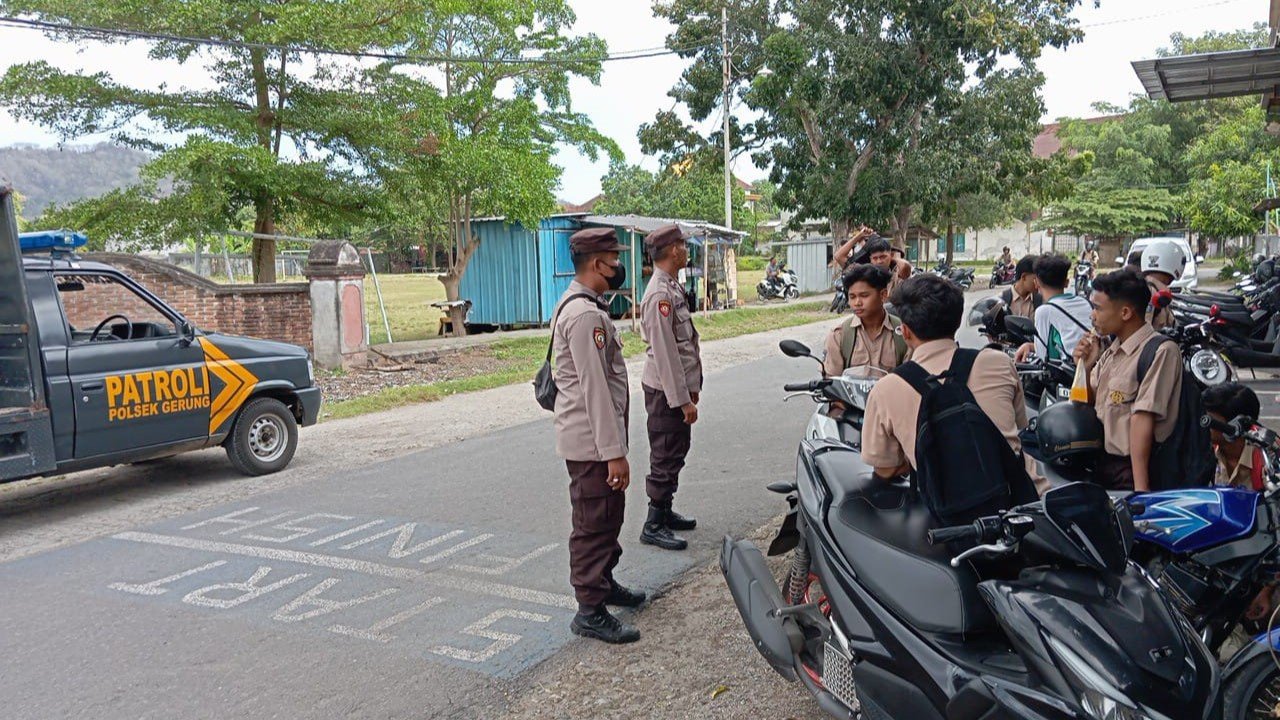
[728, 176]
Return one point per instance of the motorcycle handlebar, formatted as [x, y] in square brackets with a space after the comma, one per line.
[951, 534]
[1233, 430]
[811, 386]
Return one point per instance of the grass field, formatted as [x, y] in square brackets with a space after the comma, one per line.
[521, 358]
[408, 301]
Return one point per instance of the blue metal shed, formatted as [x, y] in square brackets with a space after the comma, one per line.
[517, 275]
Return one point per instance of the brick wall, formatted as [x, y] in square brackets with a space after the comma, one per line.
[274, 312]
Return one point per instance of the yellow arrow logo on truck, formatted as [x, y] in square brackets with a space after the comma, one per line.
[237, 384]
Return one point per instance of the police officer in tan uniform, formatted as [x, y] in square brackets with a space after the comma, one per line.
[591, 432]
[931, 314]
[672, 383]
[1135, 415]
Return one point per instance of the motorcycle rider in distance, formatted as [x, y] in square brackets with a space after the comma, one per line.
[1135, 415]
[1162, 262]
[1023, 297]
[1062, 319]
[1090, 254]
[871, 336]
[1006, 257]
[931, 309]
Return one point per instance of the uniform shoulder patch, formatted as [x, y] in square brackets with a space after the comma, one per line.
[664, 308]
[599, 337]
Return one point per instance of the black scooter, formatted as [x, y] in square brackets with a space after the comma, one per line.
[884, 615]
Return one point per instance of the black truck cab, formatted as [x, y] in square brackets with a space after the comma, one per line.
[119, 376]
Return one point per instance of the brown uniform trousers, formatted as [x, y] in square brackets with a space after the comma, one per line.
[672, 374]
[591, 429]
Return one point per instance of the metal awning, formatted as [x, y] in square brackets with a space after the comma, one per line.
[1210, 75]
[696, 229]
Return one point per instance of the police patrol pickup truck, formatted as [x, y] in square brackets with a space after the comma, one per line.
[97, 371]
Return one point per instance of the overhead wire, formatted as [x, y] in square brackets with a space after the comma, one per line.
[89, 30]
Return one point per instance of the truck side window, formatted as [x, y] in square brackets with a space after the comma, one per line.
[99, 308]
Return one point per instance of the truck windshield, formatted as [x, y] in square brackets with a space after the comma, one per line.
[99, 308]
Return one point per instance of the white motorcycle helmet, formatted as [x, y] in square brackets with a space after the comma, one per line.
[1164, 256]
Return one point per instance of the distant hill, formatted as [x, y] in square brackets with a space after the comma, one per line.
[45, 176]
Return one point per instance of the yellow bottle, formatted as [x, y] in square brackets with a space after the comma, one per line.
[1080, 386]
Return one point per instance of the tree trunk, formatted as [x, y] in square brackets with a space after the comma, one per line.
[264, 249]
[840, 232]
[452, 282]
[951, 240]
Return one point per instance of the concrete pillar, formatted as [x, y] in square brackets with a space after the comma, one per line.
[337, 304]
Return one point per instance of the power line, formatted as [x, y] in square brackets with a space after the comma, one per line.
[45, 26]
[1172, 11]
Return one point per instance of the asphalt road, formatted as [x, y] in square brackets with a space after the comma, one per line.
[423, 585]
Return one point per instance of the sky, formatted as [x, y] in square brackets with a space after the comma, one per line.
[631, 92]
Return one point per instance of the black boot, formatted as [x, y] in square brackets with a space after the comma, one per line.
[599, 624]
[676, 521]
[621, 596]
[656, 532]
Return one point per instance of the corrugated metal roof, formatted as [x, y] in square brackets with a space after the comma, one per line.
[492, 218]
[1210, 75]
[646, 225]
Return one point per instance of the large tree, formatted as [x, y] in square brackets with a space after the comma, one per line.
[478, 136]
[687, 191]
[853, 84]
[251, 138]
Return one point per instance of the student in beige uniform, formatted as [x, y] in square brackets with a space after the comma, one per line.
[1135, 416]
[1023, 297]
[672, 383]
[880, 254]
[1239, 464]
[931, 309]
[870, 336]
[591, 433]
[1162, 262]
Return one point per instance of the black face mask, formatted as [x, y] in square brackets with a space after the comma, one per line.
[618, 277]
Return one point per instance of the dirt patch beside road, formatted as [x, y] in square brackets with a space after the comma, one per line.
[694, 660]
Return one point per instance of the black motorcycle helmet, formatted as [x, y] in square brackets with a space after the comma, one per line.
[1265, 271]
[1070, 437]
[988, 313]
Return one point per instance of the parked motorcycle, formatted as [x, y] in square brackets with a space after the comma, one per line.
[1084, 278]
[1215, 554]
[785, 287]
[884, 615]
[1001, 274]
[958, 275]
[840, 301]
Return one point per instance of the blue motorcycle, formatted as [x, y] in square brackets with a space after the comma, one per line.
[1216, 554]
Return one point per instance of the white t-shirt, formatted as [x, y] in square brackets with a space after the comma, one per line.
[1054, 327]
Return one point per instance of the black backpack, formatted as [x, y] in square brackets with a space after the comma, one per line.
[1185, 458]
[965, 468]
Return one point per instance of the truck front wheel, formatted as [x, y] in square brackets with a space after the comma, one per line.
[264, 437]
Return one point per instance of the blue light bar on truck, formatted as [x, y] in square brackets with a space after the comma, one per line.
[51, 241]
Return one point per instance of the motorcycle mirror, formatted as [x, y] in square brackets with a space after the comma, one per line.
[782, 488]
[794, 348]
[1018, 325]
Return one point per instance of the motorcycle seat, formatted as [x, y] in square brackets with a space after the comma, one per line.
[881, 531]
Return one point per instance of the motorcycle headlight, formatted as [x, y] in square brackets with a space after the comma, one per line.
[1209, 368]
[1099, 698]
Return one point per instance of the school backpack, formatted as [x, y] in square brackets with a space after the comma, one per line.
[965, 468]
[1185, 458]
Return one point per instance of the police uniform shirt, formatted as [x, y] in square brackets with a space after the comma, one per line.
[893, 407]
[1119, 395]
[673, 362]
[591, 376]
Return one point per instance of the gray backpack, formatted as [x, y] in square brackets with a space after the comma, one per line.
[544, 383]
